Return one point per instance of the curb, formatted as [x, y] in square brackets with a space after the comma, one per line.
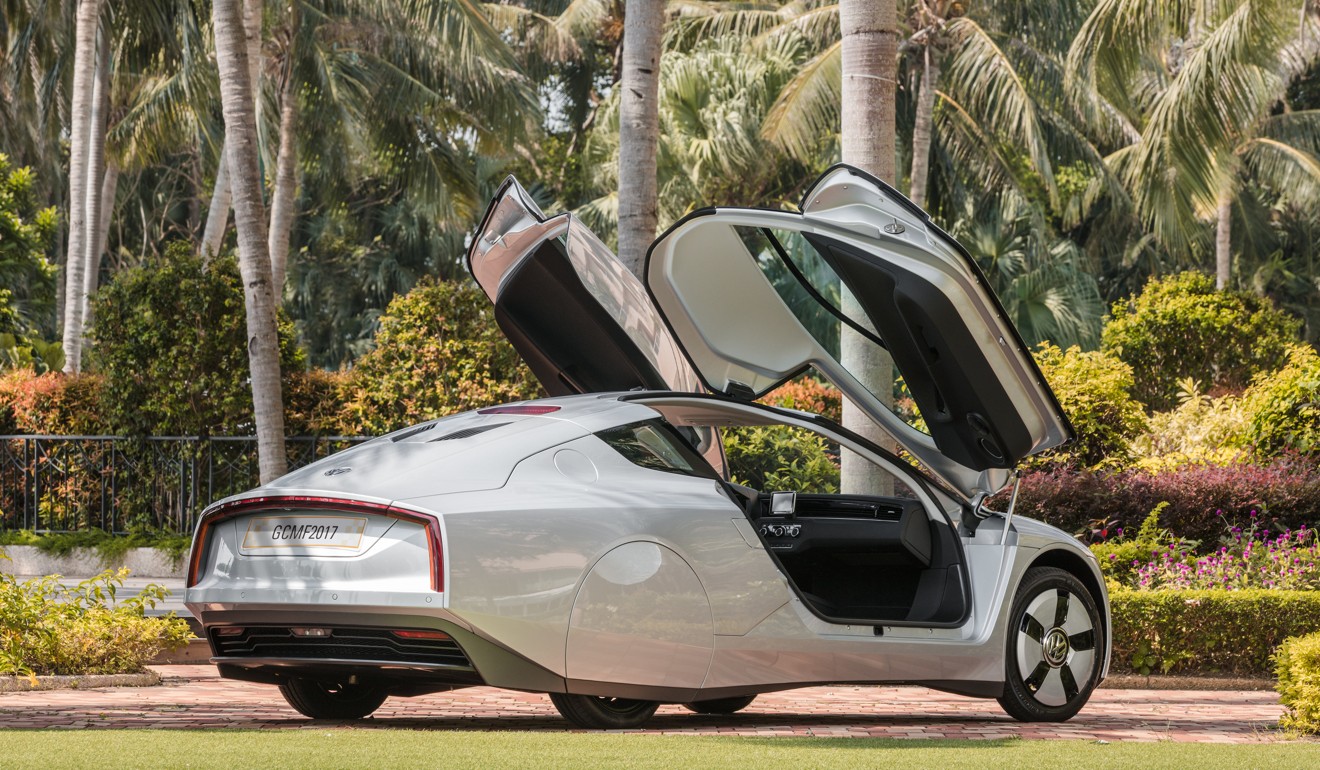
[141, 562]
[85, 682]
[1166, 682]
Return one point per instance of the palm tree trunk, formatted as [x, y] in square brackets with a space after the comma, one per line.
[921, 130]
[94, 192]
[222, 198]
[80, 128]
[217, 214]
[284, 199]
[639, 129]
[869, 63]
[109, 187]
[236, 95]
[1223, 242]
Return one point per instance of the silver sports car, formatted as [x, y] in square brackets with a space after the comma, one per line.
[598, 546]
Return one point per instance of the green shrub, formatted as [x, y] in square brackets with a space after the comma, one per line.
[1094, 390]
[1284, 406]
[780, 457]
[1230, 632]
[170, 337]
[110, 547]
[1181, 326]
[48, 628]
[27, 279]
[1200, 431]
[438, 351]
[1297, 667]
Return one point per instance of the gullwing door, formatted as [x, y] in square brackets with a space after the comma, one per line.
[580, 320]
[756, 296]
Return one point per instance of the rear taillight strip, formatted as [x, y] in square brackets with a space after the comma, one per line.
[219, 513]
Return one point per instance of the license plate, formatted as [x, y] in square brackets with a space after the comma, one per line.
[342, 533]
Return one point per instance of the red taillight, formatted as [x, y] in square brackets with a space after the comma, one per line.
[406, 633]
[434, 543]
[520, 409]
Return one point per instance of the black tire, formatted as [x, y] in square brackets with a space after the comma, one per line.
[1054, 631]
[595, 713]
[720, 705]
[321, 699]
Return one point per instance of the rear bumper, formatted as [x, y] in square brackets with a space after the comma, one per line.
[480, 660]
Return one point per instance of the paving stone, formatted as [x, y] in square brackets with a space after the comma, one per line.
[194, 697]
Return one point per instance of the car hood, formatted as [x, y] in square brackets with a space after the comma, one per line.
[737, 301]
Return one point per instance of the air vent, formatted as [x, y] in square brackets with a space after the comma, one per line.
[468, 432]
[410, 433]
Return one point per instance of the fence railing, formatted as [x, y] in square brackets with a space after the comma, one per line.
[71, 483]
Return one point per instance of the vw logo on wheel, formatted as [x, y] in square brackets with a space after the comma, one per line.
[1056, 647]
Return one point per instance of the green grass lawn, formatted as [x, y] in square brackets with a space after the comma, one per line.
[324, 749]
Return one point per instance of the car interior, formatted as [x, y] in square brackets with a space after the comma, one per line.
[852, 558]
[862, 559]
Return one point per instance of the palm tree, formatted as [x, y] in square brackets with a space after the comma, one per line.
[80, 145]
[1205, 85]
[236, 93]
[217, 216]
[868, 68]
[643, 24]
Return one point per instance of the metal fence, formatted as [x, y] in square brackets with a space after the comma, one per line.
[71, 483]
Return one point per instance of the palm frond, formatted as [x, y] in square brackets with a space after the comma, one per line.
[808, 106]
[985, 82]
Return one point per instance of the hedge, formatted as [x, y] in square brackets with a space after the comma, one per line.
[1284, 492]
[1226, 632]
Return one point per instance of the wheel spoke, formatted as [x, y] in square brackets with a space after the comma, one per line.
[1032, 628]
[1070, 688]
[1079, 619]
[1037, 677]
[1051, 691]
[1082, 641]
[1061, 608]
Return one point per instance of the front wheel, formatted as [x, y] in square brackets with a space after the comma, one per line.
[321, 699]
[1054, 643]
[596, 713]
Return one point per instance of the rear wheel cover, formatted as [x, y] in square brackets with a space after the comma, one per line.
[320, 699]
[1053, 647]
[602, 713]
[720, 705]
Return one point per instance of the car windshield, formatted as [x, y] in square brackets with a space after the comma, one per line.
[817, 297]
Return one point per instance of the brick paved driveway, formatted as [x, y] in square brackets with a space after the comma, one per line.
[193, 697]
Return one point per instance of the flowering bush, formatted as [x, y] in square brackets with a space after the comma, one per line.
[1289, 560]
[809, 395]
